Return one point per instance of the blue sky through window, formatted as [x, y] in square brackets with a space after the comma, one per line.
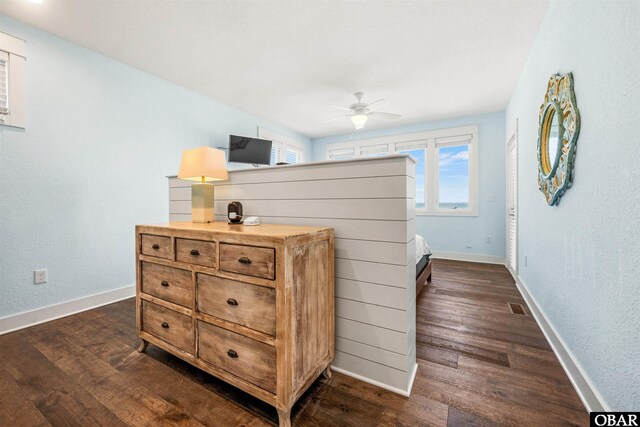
[419, 154]
[453, 177]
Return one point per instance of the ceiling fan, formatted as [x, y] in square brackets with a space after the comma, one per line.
[360, 112]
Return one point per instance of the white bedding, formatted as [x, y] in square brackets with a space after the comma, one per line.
[422, 248]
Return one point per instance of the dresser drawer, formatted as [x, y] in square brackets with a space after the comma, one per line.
[244, 357]
[158, 246]
[198, 252]
[168, 325]
[248, 260]
[170, 284]
[242, 303]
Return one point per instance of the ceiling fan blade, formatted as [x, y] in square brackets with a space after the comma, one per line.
[336, 118]
[388, 116]
[342, 108]
[384, 102]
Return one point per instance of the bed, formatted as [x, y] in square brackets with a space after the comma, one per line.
[423, 263]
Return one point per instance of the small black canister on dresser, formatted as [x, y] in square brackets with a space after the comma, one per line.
[234, 213]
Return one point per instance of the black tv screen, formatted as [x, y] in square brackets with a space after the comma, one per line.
[249, 150]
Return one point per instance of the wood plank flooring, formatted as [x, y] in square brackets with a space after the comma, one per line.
[479, 365]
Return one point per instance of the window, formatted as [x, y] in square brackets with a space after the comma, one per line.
[374, 150]
[446, 166]
[418, 151]
[4, 83]
[276, 149]
[283, 148]
[453, 177]
[345, 154]
[456, 180]
[293, 155]
[12, 109]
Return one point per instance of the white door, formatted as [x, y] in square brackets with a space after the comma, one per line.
[512, 203]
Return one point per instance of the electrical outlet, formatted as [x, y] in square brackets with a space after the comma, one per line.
[488, 239]
[491, 197]
[40, 276]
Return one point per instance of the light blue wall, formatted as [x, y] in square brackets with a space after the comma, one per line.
[100, 138]
[455, 234]
[583, 263]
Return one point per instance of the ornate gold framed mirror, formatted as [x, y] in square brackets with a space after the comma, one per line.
[558, 129]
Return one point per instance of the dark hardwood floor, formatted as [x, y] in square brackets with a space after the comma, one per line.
[479, 365]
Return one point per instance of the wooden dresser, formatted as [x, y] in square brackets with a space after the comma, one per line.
[253, 306]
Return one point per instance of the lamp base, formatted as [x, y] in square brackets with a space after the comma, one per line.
[202, 203]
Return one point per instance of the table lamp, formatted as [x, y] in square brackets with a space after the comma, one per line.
[203, 165]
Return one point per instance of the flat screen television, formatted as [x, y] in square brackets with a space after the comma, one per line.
[243, 149]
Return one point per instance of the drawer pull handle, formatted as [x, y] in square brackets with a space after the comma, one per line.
[165, 325]
[156, 246]
[232, 354]
[232, 301]
[164, 283]
[195, 252]
[244, 260]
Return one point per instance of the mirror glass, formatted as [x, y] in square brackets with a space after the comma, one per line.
[554, 134]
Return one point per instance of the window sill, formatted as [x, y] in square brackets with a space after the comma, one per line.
[422, 212]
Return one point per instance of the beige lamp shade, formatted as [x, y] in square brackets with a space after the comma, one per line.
[203, 164]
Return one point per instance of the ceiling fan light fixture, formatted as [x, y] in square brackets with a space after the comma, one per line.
[359, 120]
[359, 112]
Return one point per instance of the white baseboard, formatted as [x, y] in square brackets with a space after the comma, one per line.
[56, 311]
[412, 379]
[589, 395]
[455, 256]
[399, 391]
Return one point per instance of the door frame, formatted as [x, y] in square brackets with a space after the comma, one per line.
[512, 138]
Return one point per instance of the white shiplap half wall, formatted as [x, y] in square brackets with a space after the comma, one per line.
[370, 204]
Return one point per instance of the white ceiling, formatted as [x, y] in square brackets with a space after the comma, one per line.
[287, 61]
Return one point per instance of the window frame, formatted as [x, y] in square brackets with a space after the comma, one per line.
[431, 141]
[14, 48]
[284, 142]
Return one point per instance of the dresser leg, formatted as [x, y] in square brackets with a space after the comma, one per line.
[284, 418]
[143, 345]
[327, 374]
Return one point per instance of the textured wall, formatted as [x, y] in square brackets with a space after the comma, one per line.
[584, 255]
[453, 234]
[100, 138]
